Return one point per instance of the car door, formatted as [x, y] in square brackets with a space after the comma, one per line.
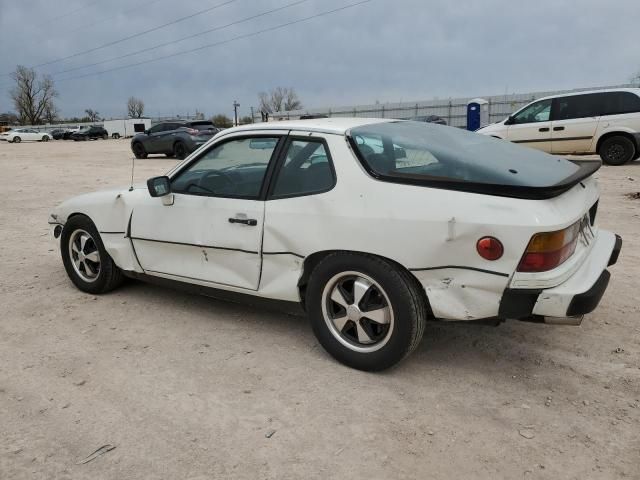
[211, 231]
[153, 142]
[574, 122]
[531, 126]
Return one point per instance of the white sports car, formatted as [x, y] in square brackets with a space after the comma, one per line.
[373, 226]
[25, 134]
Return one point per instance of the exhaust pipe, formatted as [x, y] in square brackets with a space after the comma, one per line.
[564, 320]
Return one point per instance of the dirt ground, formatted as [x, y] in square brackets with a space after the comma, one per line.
[188, 387]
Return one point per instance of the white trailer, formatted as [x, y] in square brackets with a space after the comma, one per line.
[126, 127]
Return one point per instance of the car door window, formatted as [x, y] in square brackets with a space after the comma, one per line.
[307, 169]
[577, 106]
[234, 169]
[157, 128]
[534, 113]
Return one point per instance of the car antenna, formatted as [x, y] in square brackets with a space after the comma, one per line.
[133, 164]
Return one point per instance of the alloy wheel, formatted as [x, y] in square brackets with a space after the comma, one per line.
[357, 311]
[84, 255]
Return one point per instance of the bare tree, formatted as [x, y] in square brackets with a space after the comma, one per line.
[51, 114]
[32, 96]
[92, 115]
[135, 107]
[279, 99]
[221, 121]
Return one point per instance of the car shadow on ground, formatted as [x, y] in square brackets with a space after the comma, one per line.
[460, 346]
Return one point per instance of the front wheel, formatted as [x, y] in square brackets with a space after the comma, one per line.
[17, 139]
[617, 150]
[85, 259]
[367, 312]
[45, 139]
[138, 150]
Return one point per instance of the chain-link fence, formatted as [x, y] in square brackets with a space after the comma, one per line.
[453, 111]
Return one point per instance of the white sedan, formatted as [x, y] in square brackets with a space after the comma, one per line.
[25, 134]
[373, 226]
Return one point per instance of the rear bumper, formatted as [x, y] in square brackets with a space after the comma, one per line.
[577, 296]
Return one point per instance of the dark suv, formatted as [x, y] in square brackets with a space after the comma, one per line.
[91, 133]
[174, 139]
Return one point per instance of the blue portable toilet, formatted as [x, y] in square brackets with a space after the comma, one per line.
[477, 114]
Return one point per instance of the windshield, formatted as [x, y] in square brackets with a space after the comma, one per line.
[413, 151]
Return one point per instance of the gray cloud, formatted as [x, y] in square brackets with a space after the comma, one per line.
[385, 50]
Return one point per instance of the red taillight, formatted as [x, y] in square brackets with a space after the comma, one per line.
[192, 131]
[547, 251]
[489, 248]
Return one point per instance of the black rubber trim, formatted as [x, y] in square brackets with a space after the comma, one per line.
[284, 253]
[113, 233]
[518, 303]
[537, 140]
[230, 249]
[460, 267]
[186, 277]
[587, 302]
[616, 251]
[294, 308]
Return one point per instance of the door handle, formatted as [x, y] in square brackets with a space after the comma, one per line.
[543, 129]
[557, 129]
[252, 222]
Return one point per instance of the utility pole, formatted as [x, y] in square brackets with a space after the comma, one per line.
[252, 119]
[235, 113]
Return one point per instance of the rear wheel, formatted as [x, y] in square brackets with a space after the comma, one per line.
[85, 259]
[45, 138]
[105, 136]
[179, 150]
[17, 139]
[138, 150]
[115, 136]
[367, 312]
[617, 150]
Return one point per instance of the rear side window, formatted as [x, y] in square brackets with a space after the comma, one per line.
[617, 103]
[306, 170]
[577, 106]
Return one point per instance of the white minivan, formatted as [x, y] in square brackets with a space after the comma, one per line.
[606, 122]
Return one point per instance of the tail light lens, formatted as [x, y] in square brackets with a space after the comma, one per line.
[490, 248]
[548, 250]
[192, 131]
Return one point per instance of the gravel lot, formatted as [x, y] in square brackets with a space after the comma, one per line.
[188, 387]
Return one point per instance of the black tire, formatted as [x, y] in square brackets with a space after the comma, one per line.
[105, 136]
[407, 301]
[180, 150]
[617, 150]
[108, 277]
[17, 139]
[169, 155]
[138, 150]
[115, 136]
[45, 138]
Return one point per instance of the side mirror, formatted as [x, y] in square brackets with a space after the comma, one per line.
[146, 132]
[159, 186]
[510, 120]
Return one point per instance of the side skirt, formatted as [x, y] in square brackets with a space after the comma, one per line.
[290, 308]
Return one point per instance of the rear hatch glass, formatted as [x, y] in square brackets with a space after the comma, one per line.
[448, 157]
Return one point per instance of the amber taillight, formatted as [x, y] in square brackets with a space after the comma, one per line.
[548, 250]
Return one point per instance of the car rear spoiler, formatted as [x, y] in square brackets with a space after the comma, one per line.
[587, 168]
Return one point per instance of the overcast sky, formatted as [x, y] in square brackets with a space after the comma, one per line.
[384, 50]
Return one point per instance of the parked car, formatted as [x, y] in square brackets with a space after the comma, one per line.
[373, 226]
[25, 134]
[174, 139]
[57, 133]
[91, 133]
[606, 122]
[71, 130]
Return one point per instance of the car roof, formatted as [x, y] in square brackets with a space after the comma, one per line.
[335, 125]
[585, 92]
